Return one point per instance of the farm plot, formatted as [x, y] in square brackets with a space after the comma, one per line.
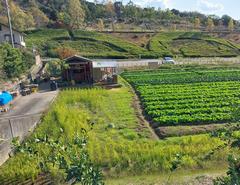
[116, 142]
[188, 98]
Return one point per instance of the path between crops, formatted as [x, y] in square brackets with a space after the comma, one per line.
[139, 112]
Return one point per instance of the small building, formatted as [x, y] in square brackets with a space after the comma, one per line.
[5, 36]
[105, 72]
[83, 70]
[80, 70]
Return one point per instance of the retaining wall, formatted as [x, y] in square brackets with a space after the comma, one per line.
[15, 127]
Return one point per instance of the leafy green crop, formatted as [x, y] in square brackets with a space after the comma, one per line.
[194, 97]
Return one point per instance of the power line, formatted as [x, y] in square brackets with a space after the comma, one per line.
[9, 23]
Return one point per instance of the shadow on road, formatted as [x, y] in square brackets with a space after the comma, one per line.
[44, 87]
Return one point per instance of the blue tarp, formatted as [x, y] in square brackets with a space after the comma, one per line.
[5, 98]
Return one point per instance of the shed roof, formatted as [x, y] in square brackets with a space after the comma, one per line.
[77, 58]
[104, 64]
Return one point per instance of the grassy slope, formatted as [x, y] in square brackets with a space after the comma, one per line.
[100, 45]
[115, 143]
[88, 44]
[192, 44]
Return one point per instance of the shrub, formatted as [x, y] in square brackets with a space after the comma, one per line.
[13, 63]
[64, 52]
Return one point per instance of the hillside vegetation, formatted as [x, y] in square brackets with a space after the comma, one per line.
[88, 44]
[28, 14]
[100, 45]
[192, 44]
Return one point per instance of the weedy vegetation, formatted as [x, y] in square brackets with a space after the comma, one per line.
[115, 141]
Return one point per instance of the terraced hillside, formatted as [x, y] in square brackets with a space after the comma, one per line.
[192, 44]
[88, 44]
[100, 45]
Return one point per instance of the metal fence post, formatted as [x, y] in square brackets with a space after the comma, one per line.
[11, 129]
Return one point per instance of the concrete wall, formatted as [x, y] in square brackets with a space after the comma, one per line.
[12, 128]
[18, 37]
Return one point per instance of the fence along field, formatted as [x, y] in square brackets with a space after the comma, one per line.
[172, 97]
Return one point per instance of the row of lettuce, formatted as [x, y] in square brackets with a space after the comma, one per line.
[187, 98]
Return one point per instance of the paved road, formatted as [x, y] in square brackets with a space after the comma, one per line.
[32, 104]
[23, 116]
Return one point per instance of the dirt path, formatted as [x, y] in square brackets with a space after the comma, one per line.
[143, 123]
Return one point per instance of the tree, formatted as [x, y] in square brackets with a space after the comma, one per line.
[20, 19]
[226, 19]
[228, 136]
[55, 68]
[231, 25]
[233, 173]
[110, 12]
[210, 24]
[73, 16]
[64, 52]
[12, 64]
[39, 17]
[2, 74]
[110, 9]
[100, 25]
[197, 23]
[130, 11]
[76, 14]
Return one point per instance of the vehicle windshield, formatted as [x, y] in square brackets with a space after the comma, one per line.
[167, 58]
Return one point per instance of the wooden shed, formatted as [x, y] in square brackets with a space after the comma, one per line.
[83, 70]
[80, 70]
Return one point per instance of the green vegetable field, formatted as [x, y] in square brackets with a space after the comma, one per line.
[188, 97]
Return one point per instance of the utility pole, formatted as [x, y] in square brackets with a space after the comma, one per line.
[10, 23]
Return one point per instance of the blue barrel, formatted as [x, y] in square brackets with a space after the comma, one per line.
[5, 98]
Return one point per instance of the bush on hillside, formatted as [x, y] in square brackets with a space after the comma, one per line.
[65, 52]
[13, 61]
[13, 64]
